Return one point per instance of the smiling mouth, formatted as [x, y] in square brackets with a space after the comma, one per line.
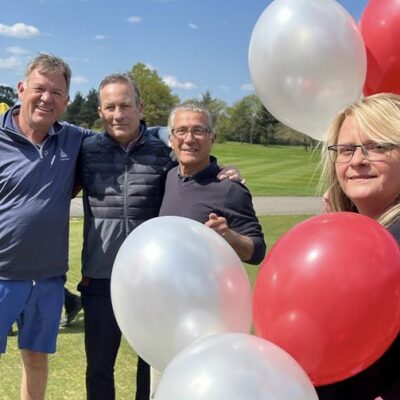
[42, 109]
[361, 177]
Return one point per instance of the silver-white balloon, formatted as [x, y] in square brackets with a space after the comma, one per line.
[234, 366]
[175, 281]
[307, 60]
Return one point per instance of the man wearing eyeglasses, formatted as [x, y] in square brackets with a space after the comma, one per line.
[193, 191]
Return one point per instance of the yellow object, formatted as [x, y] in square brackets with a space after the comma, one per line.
[3, 107]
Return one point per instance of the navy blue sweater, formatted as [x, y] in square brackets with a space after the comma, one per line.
[35, 192]
[204, 193]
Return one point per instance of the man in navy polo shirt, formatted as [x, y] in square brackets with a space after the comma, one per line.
[37, 171]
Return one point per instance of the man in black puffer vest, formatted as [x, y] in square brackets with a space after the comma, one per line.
[122, 173]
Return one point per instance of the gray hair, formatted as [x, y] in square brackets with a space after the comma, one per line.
[49, 64]
[120, 78]
[193, 107]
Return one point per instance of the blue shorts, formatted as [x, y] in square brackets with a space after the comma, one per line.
[36, 306]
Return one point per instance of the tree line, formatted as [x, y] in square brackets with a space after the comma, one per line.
[246, 121]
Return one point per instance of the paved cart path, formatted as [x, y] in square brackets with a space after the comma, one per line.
[263, 205]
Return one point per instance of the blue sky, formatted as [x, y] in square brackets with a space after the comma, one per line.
[193, 45]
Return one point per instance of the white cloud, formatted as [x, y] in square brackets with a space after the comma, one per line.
[10, 63]
[248, 87]
[134, 19]
[19, 30]
[100, 37]
[173, 83]
[79, 80]
[191, 25]
[17, 50]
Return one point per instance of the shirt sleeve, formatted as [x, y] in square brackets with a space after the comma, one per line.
[241, 217]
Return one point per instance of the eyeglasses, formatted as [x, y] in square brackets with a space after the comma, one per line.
[198, 132]
[343, 153]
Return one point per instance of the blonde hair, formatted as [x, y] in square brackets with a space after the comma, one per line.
[378, 117]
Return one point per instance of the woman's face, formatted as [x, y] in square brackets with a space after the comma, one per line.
[372, 186]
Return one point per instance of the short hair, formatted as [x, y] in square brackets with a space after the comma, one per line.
[193, 107]
[120, 78]
[378, 116]
[49, 64]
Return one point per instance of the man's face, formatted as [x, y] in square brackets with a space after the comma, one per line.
[192, 152]
[120, 113]
[43, 99]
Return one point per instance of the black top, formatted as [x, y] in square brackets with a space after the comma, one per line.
[381, 379]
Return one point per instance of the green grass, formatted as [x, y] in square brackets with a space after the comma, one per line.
[272, 171]
[67, 366]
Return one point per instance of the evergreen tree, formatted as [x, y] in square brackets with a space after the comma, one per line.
[72, 113]
[8, 95]
[89, 109]
[240, 122]
[265, 126]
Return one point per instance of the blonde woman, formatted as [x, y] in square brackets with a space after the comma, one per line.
[361, 168]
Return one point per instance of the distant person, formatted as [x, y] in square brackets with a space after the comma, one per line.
[37, 172]
[361, 159]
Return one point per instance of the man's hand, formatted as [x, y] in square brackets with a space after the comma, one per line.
[231, 173]
[219, 225]
[242, 245]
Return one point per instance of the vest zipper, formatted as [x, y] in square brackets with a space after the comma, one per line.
[125, 194]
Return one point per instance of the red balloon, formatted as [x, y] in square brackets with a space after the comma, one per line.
[380, 29]
[329, 294]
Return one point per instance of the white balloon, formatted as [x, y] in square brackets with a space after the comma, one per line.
[234, 366]
[175, 281]
[307, 61]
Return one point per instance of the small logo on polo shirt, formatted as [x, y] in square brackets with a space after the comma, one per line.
[64, 156]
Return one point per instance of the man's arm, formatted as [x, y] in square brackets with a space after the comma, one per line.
[161, 133]
[241, 218]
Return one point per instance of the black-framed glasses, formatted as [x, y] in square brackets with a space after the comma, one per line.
[198, 132]
[343, 153]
